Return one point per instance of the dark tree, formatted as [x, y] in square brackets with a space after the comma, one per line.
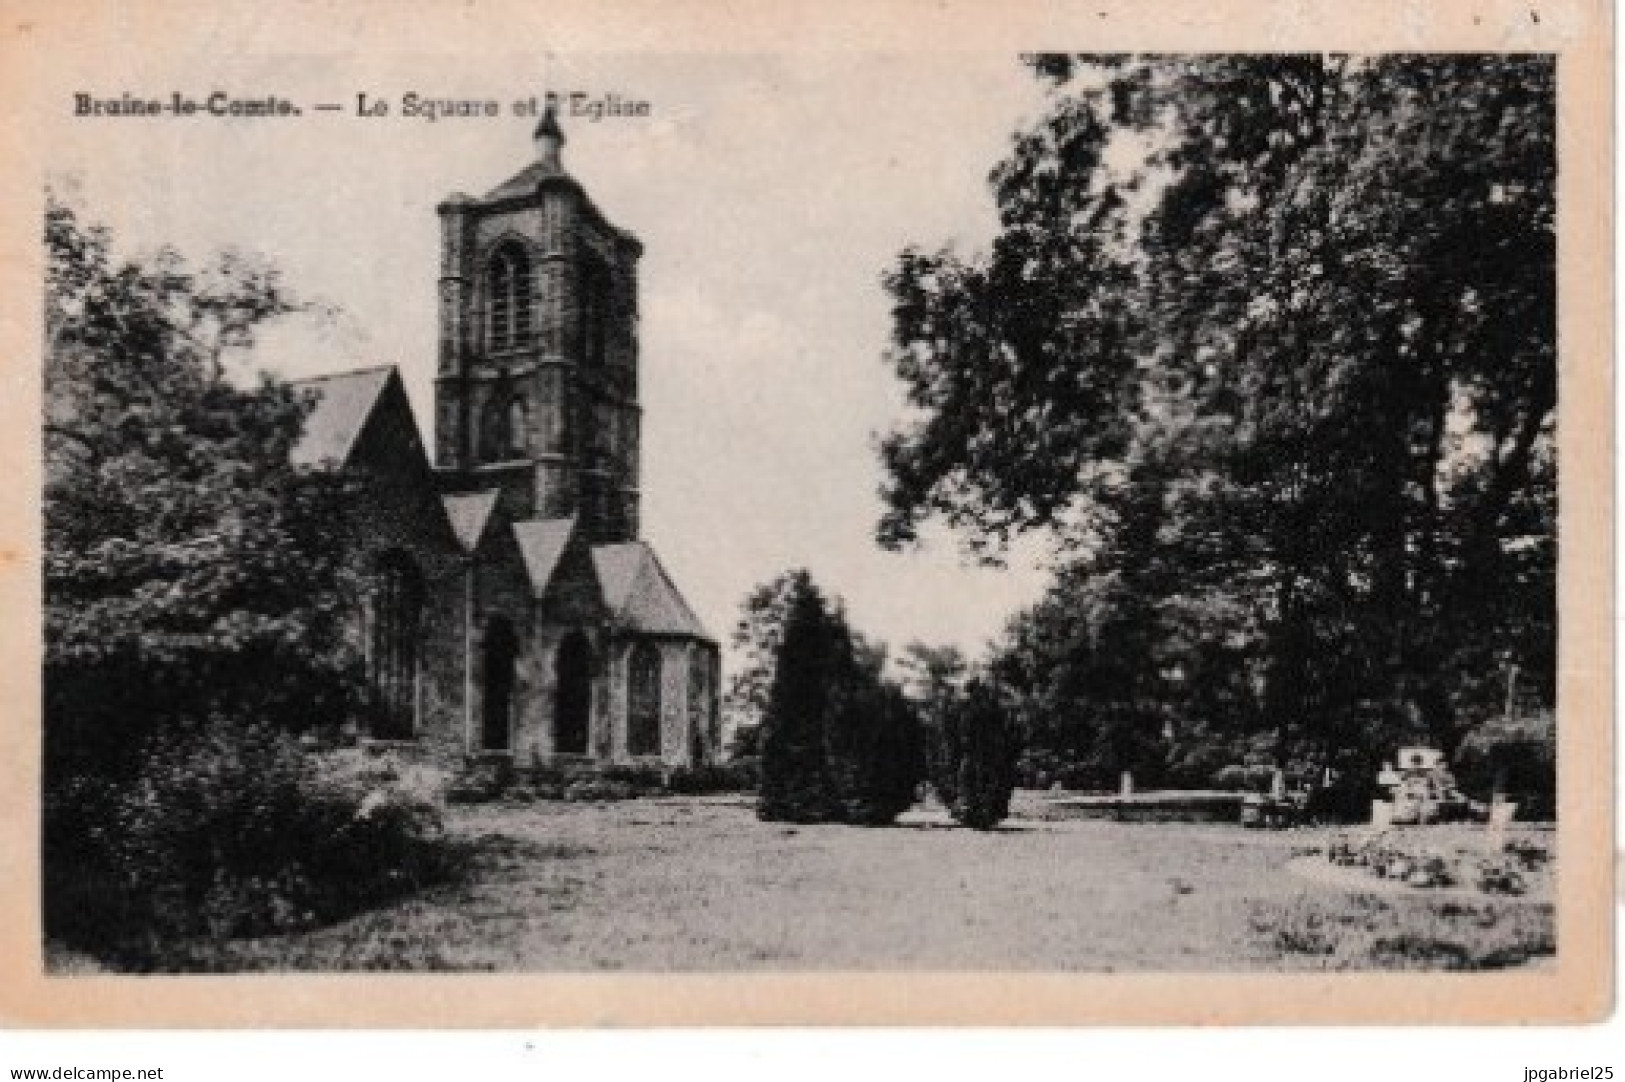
[197, 613]
[976, 775]
[190, 570]
[796, 784]
[839, 742]
[875, 754]
[1268, 344]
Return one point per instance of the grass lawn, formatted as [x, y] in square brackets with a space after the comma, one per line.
[698, 883]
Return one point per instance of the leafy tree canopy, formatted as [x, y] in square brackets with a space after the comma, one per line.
[190, 569]
[1268, 343]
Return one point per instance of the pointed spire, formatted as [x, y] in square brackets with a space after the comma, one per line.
[548, 135]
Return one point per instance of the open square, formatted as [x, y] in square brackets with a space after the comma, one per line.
[698, 884]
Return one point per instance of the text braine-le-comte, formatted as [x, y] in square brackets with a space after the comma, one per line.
[219, 103]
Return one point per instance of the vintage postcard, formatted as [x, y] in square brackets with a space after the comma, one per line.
[858, 514]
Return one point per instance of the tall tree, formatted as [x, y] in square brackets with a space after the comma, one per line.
[796, 783]
[1268, 341]
[840, 742]
[189, 568]
[977, 775]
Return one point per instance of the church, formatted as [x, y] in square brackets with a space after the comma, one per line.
[513, 609]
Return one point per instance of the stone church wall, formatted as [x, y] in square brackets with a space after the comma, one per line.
[397, 508]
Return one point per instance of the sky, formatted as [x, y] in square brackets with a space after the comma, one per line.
[771, 194]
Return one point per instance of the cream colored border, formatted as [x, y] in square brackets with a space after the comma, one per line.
[41, 40]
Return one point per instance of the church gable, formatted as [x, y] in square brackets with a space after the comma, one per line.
[561, 572]
[390, 453]
[361, 423]
[503, 569]
[543, 541]
[471, 516]
[343, 403]
[389, 440]
[640, 595]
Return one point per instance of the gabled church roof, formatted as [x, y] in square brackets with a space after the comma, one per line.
[344, 402]
[541, 542]
[639, 593]
[469, 514]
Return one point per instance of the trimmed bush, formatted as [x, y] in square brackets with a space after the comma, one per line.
[638, 777]
[795, 773]
[839, 744]
[977, 771]
[875, 756]
[738, 776]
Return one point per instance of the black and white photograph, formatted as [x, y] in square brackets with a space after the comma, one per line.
[994, 512]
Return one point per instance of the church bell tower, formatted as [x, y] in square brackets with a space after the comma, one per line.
[537, 386]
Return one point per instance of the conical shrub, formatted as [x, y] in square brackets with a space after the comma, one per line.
[977, 775]
[796, 786]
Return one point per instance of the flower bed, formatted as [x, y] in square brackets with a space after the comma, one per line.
[1426, 862]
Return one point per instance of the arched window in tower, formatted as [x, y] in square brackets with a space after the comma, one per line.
[496, 441]
[508, 298]
[395, 612]
[518, 427]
